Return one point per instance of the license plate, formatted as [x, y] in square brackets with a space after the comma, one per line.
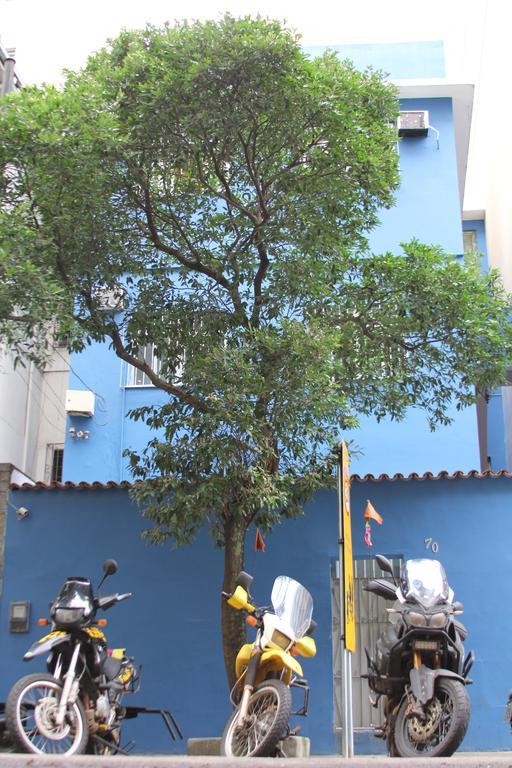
[508, 712]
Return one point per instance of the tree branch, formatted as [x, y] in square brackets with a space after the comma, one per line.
[181, 394]
[192, 264]
[258, 279]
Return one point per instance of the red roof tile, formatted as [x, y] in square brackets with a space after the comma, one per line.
[444, 475]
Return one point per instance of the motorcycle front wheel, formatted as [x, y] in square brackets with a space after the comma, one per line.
[265, 725]
[30, 712]
[442, 729]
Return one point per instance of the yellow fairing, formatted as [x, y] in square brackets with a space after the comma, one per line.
[55, 633]
[242, 660]
[306, 646]
[239, 600]
[272, 660]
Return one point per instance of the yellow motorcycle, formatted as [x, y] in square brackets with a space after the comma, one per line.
[266, 669]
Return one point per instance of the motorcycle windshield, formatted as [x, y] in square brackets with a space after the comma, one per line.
[293, 604]
[425, 582]
[76, 593]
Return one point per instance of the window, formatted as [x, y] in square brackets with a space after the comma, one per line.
[469, 239]
[137, 378]
[54, 462]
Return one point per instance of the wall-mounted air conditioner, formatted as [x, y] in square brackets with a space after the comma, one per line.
[80, 402]
[413, 122]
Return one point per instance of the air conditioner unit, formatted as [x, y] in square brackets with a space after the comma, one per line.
[413, 123]
[80, 402]
[110, 299]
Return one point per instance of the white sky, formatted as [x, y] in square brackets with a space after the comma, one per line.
[56, 34]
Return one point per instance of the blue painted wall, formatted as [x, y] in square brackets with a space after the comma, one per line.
[428, 206]
[400, 61]
[100, 457]
[171, 624]
[498, 407]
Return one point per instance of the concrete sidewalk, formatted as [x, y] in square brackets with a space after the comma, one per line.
[460, 760]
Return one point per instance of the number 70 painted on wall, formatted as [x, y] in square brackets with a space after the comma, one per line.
[431, 544]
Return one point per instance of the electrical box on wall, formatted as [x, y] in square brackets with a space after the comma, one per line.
[413, 123]
[19, 616]
[80, 402]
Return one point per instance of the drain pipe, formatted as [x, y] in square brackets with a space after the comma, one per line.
[8, 78]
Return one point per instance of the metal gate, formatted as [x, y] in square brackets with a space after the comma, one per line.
[371, 620]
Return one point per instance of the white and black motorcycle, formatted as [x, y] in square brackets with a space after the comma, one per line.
[419, 664]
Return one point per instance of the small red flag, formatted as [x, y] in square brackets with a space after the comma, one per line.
[259, 544]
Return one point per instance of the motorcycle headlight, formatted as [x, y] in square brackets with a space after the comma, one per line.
[281, 640]
[416, 619]
[68, 615]
[438, 620]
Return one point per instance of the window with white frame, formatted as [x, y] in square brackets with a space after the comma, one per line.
[137, 378]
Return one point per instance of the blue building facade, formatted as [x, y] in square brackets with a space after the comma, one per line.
[428, 208]
[172, 623]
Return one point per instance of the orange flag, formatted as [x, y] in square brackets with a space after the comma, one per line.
[259, 544]
[370, 513]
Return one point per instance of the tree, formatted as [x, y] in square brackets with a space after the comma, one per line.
[221, 185]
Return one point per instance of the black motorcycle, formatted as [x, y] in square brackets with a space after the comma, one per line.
[419, 666]
[77, 706]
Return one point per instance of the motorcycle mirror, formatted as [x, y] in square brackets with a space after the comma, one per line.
[244, 580]
[458, 607]
[381, 588]
[312, 627]
[384, 564]
[109, 567]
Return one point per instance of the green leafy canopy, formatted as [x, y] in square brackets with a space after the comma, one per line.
[222, 185]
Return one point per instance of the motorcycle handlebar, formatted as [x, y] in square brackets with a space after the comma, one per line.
[107, 602]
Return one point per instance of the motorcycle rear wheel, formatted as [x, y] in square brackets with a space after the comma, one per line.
[445, 725]
[267, 720]
[29, 718]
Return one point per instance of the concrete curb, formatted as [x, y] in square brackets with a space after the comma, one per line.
[461, 760]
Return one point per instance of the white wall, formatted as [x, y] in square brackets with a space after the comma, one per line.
[490, 159]
[20, 400]
[52, 424]
[32, 412]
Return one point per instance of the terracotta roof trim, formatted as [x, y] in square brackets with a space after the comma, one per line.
[444, 475]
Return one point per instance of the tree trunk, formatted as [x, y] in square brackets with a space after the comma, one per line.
[233, 621]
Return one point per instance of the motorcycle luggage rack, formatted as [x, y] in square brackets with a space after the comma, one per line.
[170, 723]
[135, 679]
[301, 683]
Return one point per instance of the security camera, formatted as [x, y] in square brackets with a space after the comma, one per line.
[21, 513]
